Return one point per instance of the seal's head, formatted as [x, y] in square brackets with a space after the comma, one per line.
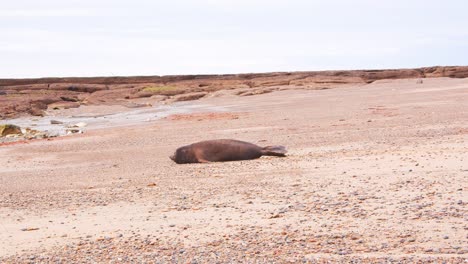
[184, 155]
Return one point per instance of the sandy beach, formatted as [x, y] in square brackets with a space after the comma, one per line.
[375, 172]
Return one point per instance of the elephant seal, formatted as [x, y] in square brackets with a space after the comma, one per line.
[223, 150]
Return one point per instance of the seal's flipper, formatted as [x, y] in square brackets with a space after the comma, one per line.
[279, 151]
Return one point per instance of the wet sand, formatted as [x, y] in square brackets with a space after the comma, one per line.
[110, 116]
[375, 172]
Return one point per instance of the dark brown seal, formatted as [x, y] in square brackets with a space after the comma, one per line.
[224, 150]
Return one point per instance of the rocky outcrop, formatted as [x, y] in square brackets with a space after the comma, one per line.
[188, 96]
[33, 96]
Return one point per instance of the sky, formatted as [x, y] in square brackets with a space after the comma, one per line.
[58, 38]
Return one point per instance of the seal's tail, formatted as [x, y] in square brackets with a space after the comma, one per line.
[279, 151]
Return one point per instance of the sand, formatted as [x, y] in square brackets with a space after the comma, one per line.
[375, 173]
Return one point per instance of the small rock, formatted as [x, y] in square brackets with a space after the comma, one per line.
[80, 124]
[275, 216]
[9, 129]
[30, 229]
[73, 131]
[55, 122]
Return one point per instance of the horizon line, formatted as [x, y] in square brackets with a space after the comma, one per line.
[228, 74]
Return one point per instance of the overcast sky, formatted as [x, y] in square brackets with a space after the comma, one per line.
[138, 37]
